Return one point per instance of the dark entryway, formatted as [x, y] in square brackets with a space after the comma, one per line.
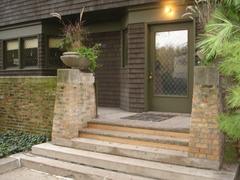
[171, 67]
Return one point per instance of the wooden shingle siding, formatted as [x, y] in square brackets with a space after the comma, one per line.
[136, 65]
[108, 72]
[124, 89]
[1, 54]
[18, 11]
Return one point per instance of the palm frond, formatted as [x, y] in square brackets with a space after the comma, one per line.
[233, 98]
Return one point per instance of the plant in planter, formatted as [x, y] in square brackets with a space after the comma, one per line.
[77, 54]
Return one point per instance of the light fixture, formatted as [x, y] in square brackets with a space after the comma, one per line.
[168, 10]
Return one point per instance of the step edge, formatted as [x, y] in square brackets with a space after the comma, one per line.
[164, 167]
[119, 123]
[129, 147]
[73, 167]
[174, 146]
[136, 136]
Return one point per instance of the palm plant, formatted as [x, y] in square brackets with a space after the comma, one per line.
[221, 40]
[201, 10]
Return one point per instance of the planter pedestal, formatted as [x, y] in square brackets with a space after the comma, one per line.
[206, 140]
[74, 105]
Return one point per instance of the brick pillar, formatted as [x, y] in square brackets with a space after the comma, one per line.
[74, 105]
[206, 140]
[41, 50]
[136, 66]
[1, 54]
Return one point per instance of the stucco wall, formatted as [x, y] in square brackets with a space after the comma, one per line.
[26, 103]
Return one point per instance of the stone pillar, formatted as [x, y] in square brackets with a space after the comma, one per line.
[74, 105]
[206, 140]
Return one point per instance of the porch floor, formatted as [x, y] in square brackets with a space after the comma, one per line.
[176, 121]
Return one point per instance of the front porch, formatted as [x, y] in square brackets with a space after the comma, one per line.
[178, 122]
[122, 145]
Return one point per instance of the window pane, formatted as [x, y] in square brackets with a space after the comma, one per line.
[12, 45]
[54, 52]
[171, 63]
[29, 52]
[30, 43]
[11, 54]
[54, 42]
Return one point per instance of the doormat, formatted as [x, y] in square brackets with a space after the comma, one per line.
[149, 117]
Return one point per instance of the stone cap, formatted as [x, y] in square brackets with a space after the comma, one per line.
[74, 76]
[206, 75]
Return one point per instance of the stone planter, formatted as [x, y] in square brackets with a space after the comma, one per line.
[73, 60]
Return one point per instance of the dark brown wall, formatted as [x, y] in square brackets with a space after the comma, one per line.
[136, 65]
[41, 50]
[108, 73]
[1, 54]
[17, 11]
[124, 89]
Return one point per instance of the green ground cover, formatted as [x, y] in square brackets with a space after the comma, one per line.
[16, 141]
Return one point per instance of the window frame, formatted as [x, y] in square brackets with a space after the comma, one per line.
[5, 53]
[21, 60]
[48, 51]
[23, 66]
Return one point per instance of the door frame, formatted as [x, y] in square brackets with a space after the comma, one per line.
[192, 25]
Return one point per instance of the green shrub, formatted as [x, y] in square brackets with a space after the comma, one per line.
[15, 141]
[230, 152]
[91, 54]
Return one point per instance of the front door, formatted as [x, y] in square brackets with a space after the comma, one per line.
[170, 76]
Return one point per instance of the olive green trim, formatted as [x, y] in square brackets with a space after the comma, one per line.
[19, 26]
[177, 104]
[146, 69]
[105, 27]
[155, 14]
[157, 5]
[21, 32]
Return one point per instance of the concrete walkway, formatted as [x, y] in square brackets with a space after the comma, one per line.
[180, 122]
[29, 174]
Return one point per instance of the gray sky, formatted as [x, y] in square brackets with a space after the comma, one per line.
[171, 38]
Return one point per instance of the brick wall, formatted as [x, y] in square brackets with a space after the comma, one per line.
[206, 140]
[136, 65]
[108, 73]
[26, 103]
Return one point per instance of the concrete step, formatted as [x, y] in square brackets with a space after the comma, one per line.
[8, 164]
[136, 136]
[134, 142]
[131, 128]
[72, 170]
[139, 152]
[126, 165]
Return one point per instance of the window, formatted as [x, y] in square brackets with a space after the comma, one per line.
[54, 52]
[30, 51]
[12, 54]
[124, 48]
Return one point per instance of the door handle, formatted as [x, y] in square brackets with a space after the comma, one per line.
[150, 77]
